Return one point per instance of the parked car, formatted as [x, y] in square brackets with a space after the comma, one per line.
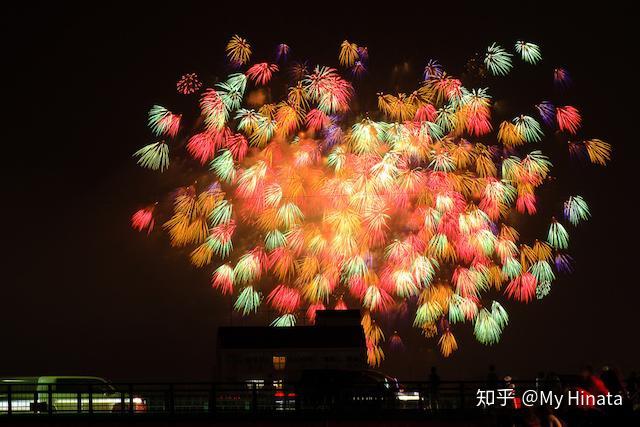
[348, 389]
[73, 394]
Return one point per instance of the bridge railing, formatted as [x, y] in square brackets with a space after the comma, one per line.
[137, 399]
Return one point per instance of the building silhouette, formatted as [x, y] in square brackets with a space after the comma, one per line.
[271, 354]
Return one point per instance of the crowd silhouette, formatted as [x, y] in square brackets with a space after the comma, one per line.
[589, 388]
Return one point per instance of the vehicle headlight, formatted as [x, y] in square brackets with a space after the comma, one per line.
[408, 396]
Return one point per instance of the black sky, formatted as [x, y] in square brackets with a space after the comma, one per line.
[82, 293]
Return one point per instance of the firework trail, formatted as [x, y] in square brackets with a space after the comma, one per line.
[306, 203]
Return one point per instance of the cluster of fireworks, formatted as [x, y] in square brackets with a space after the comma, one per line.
[307, 204]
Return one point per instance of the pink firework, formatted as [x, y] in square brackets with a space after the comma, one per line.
[188, 84]
[340, 305]
[284, 299]
[568, 119]
[522, 288]
[561, 78]
[261, 73]
[479, 122]
[222, 279]
[331, 91]
[395, 342]
[238, 145]
[312, 310]
[426, 112]
[143, 219]
[203, 146]
[317, 119]
[282, 52]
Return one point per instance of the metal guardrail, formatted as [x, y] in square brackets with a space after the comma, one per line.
[137, 399]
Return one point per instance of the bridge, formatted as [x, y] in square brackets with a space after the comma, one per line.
[242, 403]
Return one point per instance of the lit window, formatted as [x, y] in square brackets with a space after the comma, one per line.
[279, 362]
[255, 383]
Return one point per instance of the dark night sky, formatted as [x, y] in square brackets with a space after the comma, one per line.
[82, 293]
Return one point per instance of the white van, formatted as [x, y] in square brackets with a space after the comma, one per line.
[70, 394]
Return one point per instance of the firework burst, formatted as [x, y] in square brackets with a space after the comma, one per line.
[568, 119]
[497, 60]
[154, 156]
[143, 219]
[348, 53]
[303, 203]
[188, 84]
[261, 73]
[528, 51]
[238, 51]
[432, 70]
[561, 78]
[576, 210]
[163, 121]
[282, 52]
